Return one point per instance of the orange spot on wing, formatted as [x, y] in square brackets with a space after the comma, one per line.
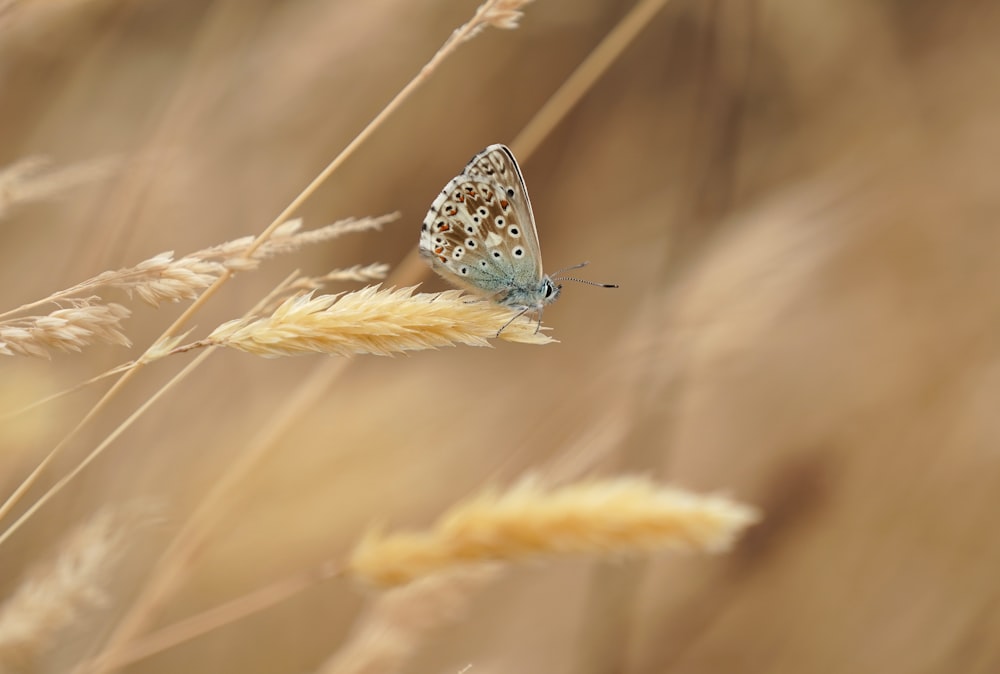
[439, 250]
[445, 227]
[504, 204]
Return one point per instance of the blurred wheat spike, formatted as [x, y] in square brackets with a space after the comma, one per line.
[58, 594]
[615, 518]
[394, 626]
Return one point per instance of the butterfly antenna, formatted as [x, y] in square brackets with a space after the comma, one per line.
[556, 277]
[589, 283]
[576, 266]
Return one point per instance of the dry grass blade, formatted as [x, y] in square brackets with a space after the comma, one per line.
[607, 518]
[61, 592]
[585, 75]
[392, 629]
[68, 329]
[373, 321]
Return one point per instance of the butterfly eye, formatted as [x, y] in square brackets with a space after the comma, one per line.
[549, 290]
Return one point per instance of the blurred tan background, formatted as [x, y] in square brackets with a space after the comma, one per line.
[798, 199]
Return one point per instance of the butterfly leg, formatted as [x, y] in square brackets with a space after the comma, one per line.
[522, 312]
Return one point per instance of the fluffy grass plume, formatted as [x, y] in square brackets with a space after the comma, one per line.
[373, 321]
[615, 517]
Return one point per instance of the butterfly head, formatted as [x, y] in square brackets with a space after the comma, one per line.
[532, 296]
[549, 291]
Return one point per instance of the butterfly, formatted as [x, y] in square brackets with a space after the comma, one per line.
[480, 235]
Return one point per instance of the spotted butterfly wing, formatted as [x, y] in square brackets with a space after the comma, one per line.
[480, 233]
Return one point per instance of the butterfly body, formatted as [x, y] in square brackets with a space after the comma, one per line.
[480, 234]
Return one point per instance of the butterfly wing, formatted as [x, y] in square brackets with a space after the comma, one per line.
[497, 163]
[480, 232]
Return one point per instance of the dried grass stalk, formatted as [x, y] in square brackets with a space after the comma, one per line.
[68, 329]
[608, 518]
[61, 592]
[390, 632]
[373, 321]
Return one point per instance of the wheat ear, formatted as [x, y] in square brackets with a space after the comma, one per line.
[86, 321]
[373, 321]
[608, 518]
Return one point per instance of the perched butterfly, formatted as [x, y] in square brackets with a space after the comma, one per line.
[480, 234]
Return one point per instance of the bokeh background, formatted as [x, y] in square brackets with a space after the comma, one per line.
[798, 199]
